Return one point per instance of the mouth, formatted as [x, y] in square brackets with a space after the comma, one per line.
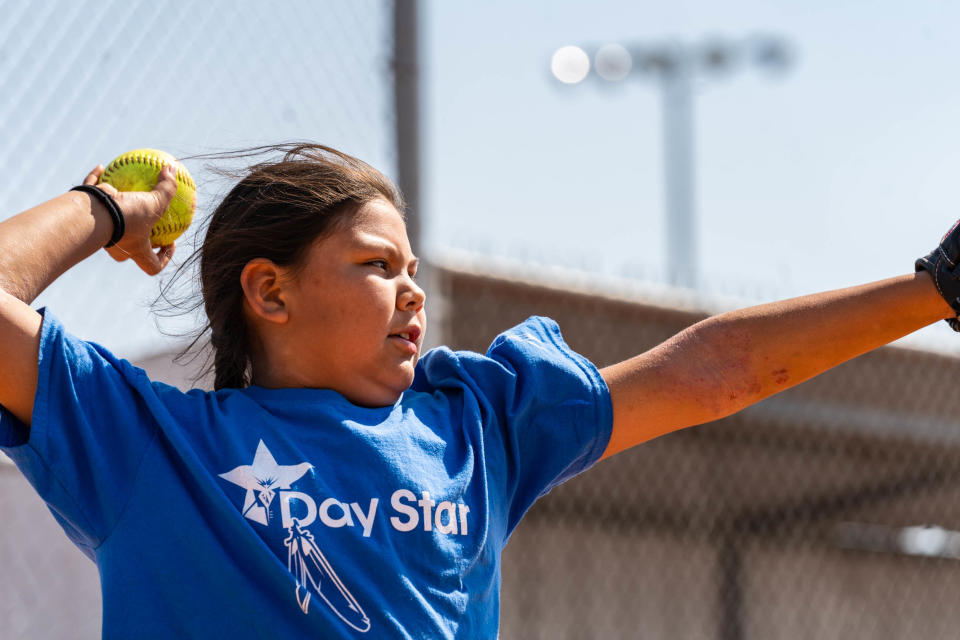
[409, 336]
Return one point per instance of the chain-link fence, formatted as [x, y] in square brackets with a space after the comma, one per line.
[82, 82]
[828, 511]
[825, 512]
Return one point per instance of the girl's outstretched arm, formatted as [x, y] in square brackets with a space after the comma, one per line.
[730, 361]
[40, 244]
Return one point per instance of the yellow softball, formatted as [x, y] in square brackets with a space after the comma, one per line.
[139, 170]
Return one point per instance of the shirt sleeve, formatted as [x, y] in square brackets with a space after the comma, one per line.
[545, 410]
[88, 434]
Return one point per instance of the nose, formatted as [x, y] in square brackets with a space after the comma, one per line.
[411, 296]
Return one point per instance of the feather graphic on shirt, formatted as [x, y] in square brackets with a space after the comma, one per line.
[309, 566]
[311, 569]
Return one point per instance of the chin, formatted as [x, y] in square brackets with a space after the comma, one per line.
[388, 393]
[404, 384]
[406, 373]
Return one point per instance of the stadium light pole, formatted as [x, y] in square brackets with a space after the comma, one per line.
[406, 94]
[407, 71]
[675, 66]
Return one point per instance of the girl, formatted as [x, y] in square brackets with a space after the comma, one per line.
[335, 483]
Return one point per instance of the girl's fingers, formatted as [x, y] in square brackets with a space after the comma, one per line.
[153, 263]
[138, 209]
[166, 186]
[148, 262]
[165, 254]
[94, 175]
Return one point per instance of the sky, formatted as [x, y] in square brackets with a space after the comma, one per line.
[837, 172]
[840, 171]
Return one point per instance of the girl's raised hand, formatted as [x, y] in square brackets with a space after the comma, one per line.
[141, 210]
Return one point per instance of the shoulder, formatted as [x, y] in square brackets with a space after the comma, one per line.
[67, 361]
[535, 337]
[533, 346]
[535, 330]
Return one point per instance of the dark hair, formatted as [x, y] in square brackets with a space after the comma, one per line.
[276, 211]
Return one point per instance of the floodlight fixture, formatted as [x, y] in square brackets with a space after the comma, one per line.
[675, 65]
[570, 64]
[613, 62]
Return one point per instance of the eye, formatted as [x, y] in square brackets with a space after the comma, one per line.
[380, 264]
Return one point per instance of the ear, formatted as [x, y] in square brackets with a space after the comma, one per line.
[263, 289]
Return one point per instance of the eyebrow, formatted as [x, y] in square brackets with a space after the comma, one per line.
[370, 244]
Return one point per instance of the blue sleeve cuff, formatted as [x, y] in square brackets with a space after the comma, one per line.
[603, 403]
[14, 433]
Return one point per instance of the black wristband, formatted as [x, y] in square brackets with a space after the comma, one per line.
[112, 207]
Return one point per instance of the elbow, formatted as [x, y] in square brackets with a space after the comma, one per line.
[8, 288]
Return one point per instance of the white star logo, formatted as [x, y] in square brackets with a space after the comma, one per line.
[260, 479]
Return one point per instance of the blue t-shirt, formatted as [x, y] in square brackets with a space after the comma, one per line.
[266, 513]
